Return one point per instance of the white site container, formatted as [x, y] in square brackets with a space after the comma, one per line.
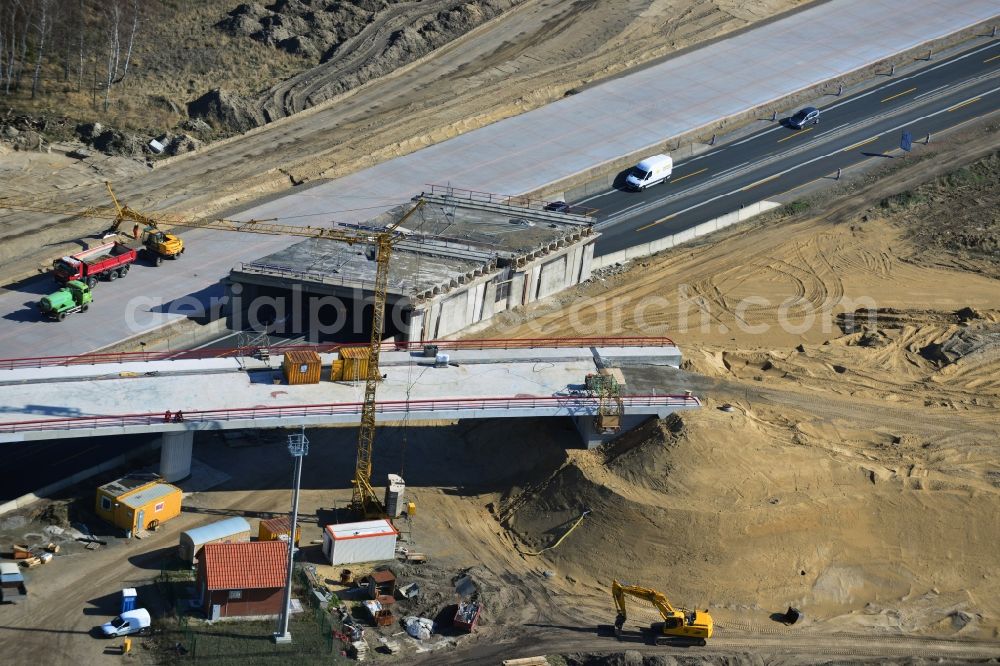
[368, 541]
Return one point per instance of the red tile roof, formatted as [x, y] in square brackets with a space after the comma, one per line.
[245, 566]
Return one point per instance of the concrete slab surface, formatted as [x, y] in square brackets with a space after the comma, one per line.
[505, 382]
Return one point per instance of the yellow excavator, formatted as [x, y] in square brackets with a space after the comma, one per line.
[159, 244]
[677, 622]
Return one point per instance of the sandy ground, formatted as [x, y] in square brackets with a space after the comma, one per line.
[487, 75]
[835, 482]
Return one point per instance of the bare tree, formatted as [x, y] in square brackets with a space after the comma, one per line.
[16, 35]
[82, 29]
[44, 27]
[114, 15]
[3, 41]
[131, 40]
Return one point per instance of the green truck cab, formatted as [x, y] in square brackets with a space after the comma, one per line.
[74, 297]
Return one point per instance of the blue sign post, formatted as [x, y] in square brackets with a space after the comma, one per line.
[906, 141]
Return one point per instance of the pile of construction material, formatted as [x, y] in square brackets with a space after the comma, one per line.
[35, 555]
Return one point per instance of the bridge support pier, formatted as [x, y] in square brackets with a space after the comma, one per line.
[175, 455]
[592, 439]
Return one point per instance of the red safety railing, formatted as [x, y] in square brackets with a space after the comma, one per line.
[333, 409]
[275, 350]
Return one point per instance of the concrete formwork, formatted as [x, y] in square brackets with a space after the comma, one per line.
[462, 261]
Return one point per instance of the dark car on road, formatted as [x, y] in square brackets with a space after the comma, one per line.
[807, 116]
[558, 207]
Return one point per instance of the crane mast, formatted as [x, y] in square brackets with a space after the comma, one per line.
[364, 500]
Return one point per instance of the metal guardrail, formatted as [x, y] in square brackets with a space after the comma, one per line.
[274, 350]
[512, 200]
[259, 268]
[350, 408]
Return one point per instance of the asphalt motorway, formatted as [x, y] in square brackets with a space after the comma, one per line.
[852, 130]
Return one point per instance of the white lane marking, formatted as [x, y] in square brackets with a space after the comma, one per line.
[910, 77]
[834, 106]
[819, 157]
[930, 92]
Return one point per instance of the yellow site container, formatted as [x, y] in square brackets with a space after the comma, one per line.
[353, 365]
[274, 528]
[138, 503]
[301, 367]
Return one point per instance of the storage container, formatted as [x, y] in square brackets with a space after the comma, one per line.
[355, 367]
[138, 502]
[394, 490]
[368, 541]
[301, 367]
[273, 529]
[230, 530]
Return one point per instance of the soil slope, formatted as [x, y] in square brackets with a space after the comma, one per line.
[856, 476]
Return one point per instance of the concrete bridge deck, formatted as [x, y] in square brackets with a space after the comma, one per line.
[226, 393]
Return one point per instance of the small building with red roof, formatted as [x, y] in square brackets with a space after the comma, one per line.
[242, 579]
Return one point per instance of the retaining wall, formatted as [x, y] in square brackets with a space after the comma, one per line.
[667, 242]
[52, 488]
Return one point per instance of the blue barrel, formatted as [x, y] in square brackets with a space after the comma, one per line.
[128, 599]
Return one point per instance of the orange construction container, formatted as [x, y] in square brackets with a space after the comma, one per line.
[354, 364]
[301, 367]
[136, 503]
[274, 528]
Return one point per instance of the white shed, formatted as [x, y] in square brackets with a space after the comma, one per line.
[368, 541]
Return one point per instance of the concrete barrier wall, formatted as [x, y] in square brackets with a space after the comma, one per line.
[49, 490]
[180, 334]
[667, 242]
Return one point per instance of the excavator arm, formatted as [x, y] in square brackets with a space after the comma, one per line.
[123, 213]
[676, 622]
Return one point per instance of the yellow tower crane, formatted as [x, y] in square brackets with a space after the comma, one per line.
[364, 500]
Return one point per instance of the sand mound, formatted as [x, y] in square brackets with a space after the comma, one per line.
[749, 510]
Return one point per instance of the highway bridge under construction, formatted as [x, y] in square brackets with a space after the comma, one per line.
[133, 393]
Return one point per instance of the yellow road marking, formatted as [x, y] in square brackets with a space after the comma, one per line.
[905, 92]
[862, 143]
[799, 133]
[992, 59]
[677, 180]
[668, 217]
[965, 103]
[759, 182]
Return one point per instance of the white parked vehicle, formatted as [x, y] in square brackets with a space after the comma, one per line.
[130, 622]
[650, 171]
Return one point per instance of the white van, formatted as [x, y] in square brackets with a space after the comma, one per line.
[650, 171]
[130, 622]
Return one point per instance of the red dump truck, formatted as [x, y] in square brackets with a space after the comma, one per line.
[110, 261]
